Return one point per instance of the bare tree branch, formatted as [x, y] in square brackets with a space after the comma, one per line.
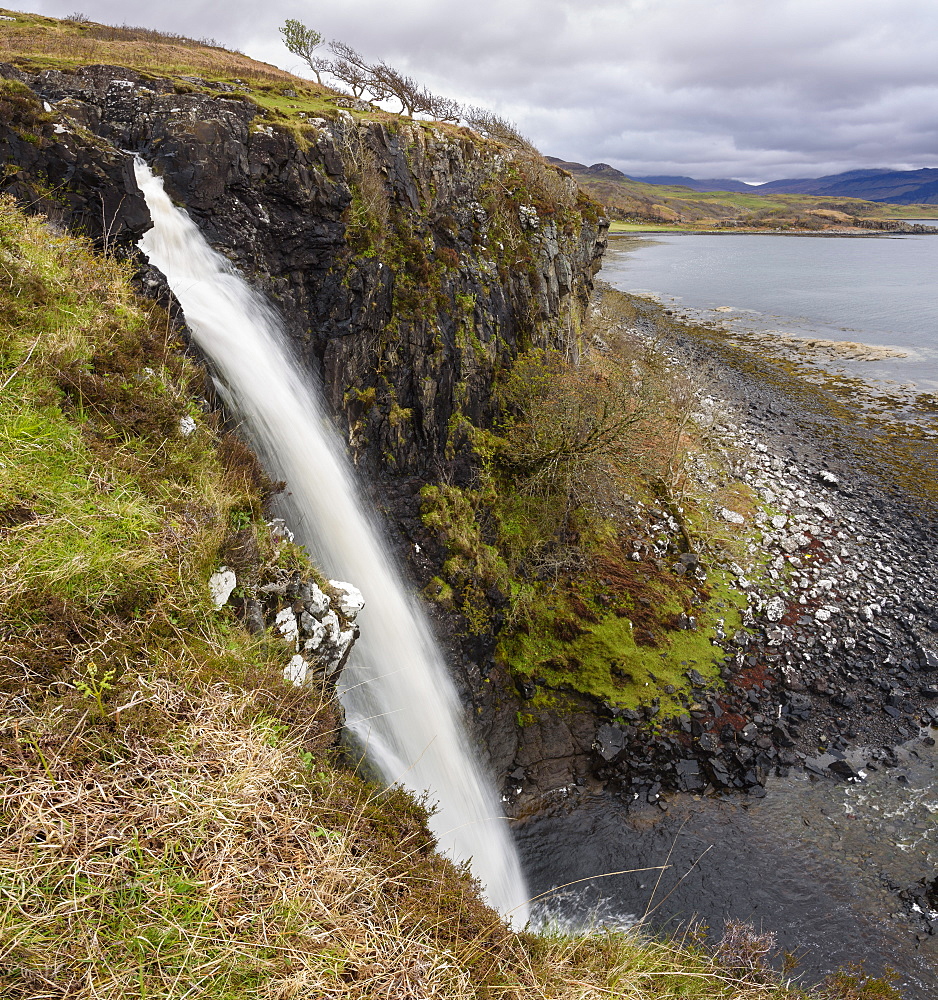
[350, 68]
[495, 127]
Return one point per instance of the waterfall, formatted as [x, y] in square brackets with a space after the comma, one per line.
[396, 691]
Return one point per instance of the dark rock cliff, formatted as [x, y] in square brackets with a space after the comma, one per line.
[411, 263]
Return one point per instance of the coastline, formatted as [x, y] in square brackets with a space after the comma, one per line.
[832, 686]
[860, 232]
[870, 543]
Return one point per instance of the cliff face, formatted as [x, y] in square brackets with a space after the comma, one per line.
[411, 262]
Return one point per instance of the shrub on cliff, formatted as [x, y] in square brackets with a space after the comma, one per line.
[548, 554]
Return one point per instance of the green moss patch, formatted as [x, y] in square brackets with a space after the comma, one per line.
[566, 549]
[631, 656]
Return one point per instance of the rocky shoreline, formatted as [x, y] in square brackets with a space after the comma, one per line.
[841, 649]
[838, 654]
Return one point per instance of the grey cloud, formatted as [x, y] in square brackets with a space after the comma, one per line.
[742, 88]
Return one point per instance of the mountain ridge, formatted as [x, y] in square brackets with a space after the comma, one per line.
[882, 185]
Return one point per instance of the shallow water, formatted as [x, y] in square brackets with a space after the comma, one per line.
[874, 291]
[818, 862]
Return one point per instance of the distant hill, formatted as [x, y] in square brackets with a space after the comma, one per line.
[710, 184]
[896, 187]
[604, 171]
[800, 203]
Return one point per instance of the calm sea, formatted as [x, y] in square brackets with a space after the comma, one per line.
[879, 291]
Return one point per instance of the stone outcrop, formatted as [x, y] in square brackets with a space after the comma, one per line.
[316, 618]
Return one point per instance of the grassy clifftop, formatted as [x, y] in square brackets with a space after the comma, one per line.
[34, 43]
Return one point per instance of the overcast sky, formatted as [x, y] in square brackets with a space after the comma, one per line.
[754, 89]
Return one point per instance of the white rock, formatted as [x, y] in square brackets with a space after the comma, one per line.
[779, 521]
[187, 426]
[279, 531]
[220, 585]
[330, 623]
[825, 509]
[794, 542]
[774, 609]
[343, 643]
[822, 615]
[732, 516]
[296, 670]
[312, 628]
[317, 602]
[287, 625]
[350, 599]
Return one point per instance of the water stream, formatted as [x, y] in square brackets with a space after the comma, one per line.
[397, 694]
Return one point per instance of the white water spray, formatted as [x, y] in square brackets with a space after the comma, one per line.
[398, 697]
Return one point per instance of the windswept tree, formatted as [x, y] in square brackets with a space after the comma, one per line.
[388, 83]
[444, 109]
[350, 68]
[303, 42]
[381, 82]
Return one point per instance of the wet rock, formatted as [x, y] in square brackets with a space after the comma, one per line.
[781, 736]
[927, 658]
[688, 775]
[842, 769]
[610, 742]
[526, 689]
[720, 773]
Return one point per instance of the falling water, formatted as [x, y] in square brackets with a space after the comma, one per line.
[397, 695]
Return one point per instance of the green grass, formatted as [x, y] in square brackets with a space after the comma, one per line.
[97, 476]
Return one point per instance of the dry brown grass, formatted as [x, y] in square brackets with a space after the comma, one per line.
[33, 39]
[223, 858]
[200, 860]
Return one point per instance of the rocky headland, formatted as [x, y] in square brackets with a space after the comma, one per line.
[775, 603]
